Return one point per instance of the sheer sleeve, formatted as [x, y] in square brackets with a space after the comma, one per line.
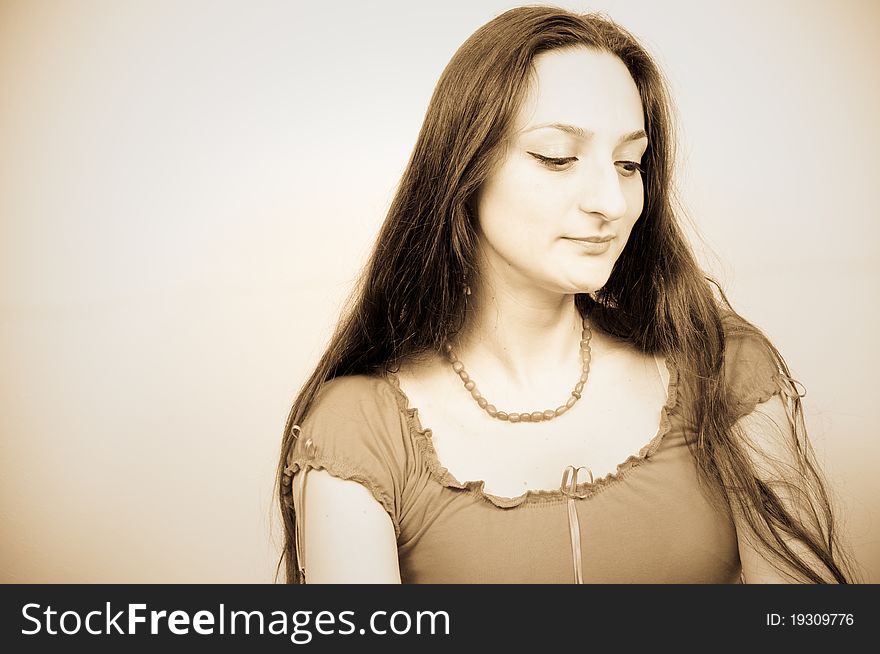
[353, 431]
[752, 374]
[764, 401]
[769, 425]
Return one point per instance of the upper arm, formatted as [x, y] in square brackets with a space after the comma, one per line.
[348, 537]
[353, 445]
[770, 443]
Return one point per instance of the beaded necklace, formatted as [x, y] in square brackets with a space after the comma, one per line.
[535, 416]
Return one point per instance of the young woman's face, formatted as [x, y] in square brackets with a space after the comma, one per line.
[570, 173]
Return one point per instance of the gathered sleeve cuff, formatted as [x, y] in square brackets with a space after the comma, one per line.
[352, 431]
[753, 376]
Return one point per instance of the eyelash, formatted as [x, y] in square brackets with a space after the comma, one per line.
[556, 163]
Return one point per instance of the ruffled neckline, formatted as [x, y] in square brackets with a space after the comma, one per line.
[423, 438]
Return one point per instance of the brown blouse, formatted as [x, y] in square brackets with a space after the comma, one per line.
[648, 522]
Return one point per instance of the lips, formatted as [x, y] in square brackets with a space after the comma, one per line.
[591, 239]
[592, 247]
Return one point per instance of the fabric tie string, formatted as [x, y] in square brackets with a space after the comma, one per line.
[569, 488]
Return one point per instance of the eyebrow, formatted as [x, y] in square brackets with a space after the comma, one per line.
[585, 134]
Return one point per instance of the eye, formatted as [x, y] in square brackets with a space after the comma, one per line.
[554, 163]
[629, 168]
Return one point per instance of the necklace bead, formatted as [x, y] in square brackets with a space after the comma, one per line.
[534, 416]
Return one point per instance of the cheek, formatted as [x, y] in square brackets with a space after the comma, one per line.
[635, 201]
[512, 205]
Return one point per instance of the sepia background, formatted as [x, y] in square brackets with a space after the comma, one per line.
[188, 190]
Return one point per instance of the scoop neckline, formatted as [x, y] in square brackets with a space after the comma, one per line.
[423, 438]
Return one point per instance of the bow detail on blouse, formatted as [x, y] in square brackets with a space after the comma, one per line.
[569, 489]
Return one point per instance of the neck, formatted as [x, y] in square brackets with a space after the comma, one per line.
[523, 340]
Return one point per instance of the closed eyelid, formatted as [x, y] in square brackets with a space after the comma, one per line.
[547, 157]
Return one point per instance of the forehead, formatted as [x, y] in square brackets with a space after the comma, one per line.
[587, 88]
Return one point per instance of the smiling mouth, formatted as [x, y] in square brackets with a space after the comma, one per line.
[591, 247]
[592, 239]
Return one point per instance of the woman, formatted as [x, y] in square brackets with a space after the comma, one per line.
[532, 313]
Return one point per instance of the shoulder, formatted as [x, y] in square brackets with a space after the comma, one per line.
[355, 405]
[747, 355]
[355, 417]
[750, 367]
[353, 397]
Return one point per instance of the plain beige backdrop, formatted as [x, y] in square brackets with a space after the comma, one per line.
[188, 190]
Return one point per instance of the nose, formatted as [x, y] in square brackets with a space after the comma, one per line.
[602, 194]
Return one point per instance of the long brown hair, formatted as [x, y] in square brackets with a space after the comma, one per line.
[409, 301]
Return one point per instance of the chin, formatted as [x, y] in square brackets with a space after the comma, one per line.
[584, 288]
[590, 285]
[571, 284]
[584, 281]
